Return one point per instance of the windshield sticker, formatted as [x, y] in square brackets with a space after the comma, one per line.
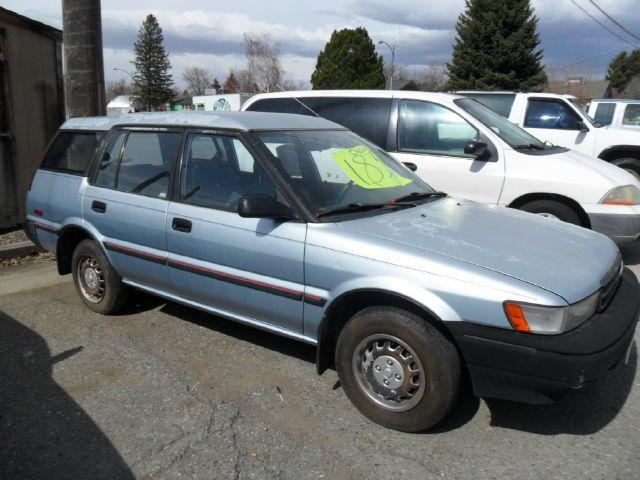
[366, 170]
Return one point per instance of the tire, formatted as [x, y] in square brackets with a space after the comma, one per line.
[551, 208]
[436, 361]
[631, 165]
[98, 284]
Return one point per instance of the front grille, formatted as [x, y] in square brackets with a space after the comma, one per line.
[610, 283]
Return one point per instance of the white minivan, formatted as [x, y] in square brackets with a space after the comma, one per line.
[467, 150]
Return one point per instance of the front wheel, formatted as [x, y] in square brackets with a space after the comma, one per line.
[99, 285]
[553, 209]
[631, 165]
[397, 369]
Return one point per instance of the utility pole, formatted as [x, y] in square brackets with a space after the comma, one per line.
[393, 59]
[84, 67]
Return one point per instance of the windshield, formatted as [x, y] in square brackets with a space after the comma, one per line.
[507, 131]
[332, 170]
[584, 113]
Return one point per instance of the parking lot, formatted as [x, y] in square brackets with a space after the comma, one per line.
[164, 391]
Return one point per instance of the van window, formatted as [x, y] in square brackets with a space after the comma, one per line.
[604, 113]
[425, 127]
[500, 103]
[278, 105]
[368, 117]
[71, 151]
[146, 162]
[631, 115]
[218, 171]
[554, 114]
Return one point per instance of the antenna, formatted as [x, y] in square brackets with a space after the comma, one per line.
[297, 100]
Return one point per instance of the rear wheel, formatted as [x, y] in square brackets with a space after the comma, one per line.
[397, 369]
[553, 209]
[631, 165]
[99, 285]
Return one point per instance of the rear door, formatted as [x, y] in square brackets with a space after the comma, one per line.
[433, 138]
[127, 202]
[248, 268]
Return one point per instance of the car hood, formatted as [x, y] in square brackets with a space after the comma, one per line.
[564, 259]
[616, 176]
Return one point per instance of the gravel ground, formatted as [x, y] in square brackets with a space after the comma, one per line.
[19, 236]
[13, 237]
[165, 392]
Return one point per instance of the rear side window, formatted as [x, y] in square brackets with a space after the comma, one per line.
[278, 105]
[551, 114]
[368, 117]
[604, 113]
[71, 152]
[631, 115]
[500, 103]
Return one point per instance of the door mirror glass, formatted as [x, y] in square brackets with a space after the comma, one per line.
[263, 206]
[480, 150]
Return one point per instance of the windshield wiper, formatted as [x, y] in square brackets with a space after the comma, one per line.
[417, 196]
[357, 207]
[530, 146]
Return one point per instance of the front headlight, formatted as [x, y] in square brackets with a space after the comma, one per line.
[550, 320]
[626, 195]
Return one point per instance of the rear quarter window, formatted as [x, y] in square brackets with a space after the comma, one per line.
[71, 152]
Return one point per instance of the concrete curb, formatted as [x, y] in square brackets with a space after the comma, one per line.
[16, 250]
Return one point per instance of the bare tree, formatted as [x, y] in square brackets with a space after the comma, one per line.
[118, 87]
[198, 80]
[247, 82]
[263, 62]
[432, 79]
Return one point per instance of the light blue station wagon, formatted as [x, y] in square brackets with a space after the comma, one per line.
[297, 226]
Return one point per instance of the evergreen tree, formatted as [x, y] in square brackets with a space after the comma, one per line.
[231, 84]
[622, 69]
[496, 48]
[216, 86]
[349, 60]
[152, 79]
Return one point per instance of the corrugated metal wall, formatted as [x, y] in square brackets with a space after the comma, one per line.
[34, 109]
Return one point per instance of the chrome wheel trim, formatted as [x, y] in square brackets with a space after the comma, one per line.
[389, 372]
[548, 215]
[91, 279]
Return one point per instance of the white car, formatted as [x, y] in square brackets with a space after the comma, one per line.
[619, 113]
[558, 119]
[465, 149]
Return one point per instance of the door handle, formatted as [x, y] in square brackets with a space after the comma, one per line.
[99, 207]
[411, 166]
[181, 225]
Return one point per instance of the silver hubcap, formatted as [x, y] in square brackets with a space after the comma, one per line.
[91, 279]
[389, 372]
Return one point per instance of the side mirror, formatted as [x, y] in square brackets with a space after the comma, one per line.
[263, 206]
[582, 126]
[411, 166]
[478, 149]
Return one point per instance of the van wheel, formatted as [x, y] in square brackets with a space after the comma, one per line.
[631, 165]
[99, 285]
[553, 209]
[397, 369]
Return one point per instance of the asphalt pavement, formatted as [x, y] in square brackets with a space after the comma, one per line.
[164, 391]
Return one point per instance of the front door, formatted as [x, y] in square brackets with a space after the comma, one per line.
[248, 268]
[127, 203]
[433, 138]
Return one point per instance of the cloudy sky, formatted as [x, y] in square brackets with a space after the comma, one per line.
[209, 33]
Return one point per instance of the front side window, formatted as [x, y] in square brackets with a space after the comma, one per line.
[631, 114]
[552, 114]
[604, 113]
[71, 151]
[331, 170]
[425, 127]
[218, 171]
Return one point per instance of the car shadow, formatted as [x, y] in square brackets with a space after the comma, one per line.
[44, 433]
[631, 253]
[581, 412]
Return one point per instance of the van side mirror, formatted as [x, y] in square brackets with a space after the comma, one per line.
[480, 150]
[264, 206]
[582, 126]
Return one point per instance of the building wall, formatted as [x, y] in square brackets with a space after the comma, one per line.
[33, 94]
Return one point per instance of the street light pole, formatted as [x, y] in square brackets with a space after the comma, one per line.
[393, 59]
[128, 73]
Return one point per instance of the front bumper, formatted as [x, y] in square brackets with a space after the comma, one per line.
[539, 368]
[619, 227]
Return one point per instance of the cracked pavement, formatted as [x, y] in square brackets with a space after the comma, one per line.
[164, 392]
